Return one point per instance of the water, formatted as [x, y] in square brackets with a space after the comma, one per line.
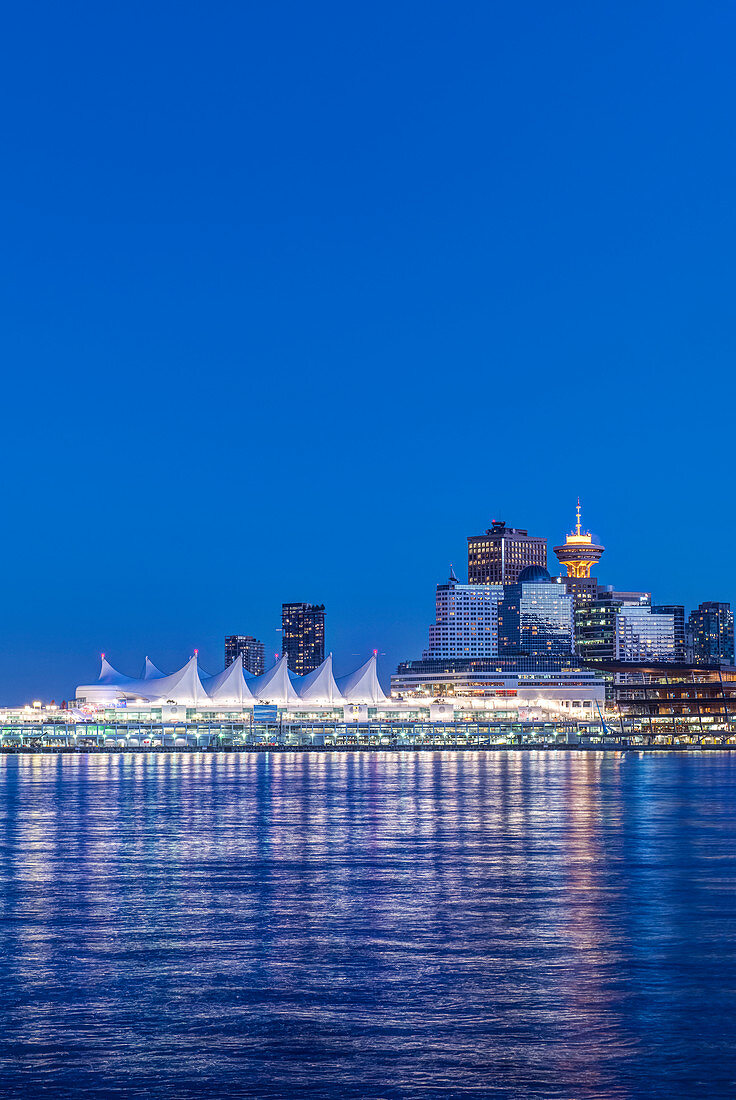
[368, 925]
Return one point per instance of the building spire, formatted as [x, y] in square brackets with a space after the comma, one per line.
[577, 525]
[452, 574]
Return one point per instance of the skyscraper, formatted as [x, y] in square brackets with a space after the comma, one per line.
[251, 649]
[498, 556]
[466, 622]
[579, 554]
[711, 629]
[535, 617]
[303, 637]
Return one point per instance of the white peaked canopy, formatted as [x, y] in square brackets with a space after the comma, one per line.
[110, 675]
[363, 686]
[229, 686]
[320, 686]
[274, 686]
[183, 686]
[150, 672]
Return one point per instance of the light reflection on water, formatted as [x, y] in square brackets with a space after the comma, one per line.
[368, 925]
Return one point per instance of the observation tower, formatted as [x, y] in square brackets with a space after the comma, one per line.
[579, 554]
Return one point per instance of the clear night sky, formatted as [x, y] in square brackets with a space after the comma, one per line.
[297, 296]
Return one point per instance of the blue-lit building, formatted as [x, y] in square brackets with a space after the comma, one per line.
[536, 618]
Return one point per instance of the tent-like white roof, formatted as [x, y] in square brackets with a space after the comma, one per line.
[110, 675]
[274, 686]
[363, 685]
[190, 687]
[229, 686]
[183, 686]
[320, 686]
[150, 672]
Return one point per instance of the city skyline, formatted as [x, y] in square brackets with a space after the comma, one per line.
[344, 660]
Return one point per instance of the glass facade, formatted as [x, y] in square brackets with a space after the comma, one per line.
[536, 619]
[677, 611]
[607, 630]
[642, 635]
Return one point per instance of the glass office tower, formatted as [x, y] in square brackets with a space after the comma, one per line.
[535, 617]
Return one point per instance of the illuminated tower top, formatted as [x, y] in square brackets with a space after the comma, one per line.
[579, 553]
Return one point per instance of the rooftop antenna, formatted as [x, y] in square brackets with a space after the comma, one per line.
[577, 525]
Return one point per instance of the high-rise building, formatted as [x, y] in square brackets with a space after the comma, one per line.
[579, 554]
[498, 556]
[466, 623]
[535, 617]
[303, 636]
[611, 630]
[251, 649]
[711, 630]
[677, 611]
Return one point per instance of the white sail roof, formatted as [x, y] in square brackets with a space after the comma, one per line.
[320, 686]
[150, 672]
[274, 686]
[363, 685]
[183, 686]
[110, 675]
[229, 686]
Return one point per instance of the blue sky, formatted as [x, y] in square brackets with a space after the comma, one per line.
[296, 297]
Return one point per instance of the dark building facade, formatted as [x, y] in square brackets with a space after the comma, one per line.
[303, 636]
[251, 649]
[498, 556]
[595, 630]
[711, 631]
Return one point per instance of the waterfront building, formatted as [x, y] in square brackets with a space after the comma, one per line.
[250, 649]
[500, 686]
[611, 630]
[466, 621]
[677, 611]
[189, 687]
[303, 636]
[498, 556]
[674, 698]
[578, 555]
[535, 617]
[711, 632]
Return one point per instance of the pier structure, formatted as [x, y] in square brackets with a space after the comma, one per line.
[282, 734]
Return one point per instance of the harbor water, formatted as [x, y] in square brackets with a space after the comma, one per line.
[541, 924]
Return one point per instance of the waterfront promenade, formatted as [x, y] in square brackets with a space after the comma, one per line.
[305, 736]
